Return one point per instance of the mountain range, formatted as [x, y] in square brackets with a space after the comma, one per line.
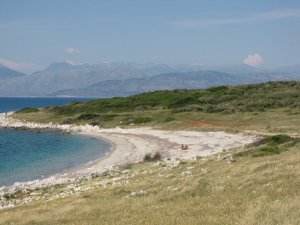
[7, 73]
[106, 80]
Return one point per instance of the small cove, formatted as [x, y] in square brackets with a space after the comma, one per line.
[27, 155]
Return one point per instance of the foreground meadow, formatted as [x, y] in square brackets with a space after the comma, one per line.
[242, 186]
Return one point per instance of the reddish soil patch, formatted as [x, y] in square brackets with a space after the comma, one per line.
[203, 124]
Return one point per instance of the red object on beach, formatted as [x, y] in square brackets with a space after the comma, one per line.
[186, 148]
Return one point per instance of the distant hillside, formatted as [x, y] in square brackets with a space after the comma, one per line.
[126, 78]
[7, 73]
[45, 83]
[58, 67]
[290, 69]
[170, 81]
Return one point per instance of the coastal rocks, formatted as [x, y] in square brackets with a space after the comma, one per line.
[173, 188]
[190, 167]
[137, 194]
[23, 186]
[204, 170]
[10, 123]
[228, 157]
[186, 173]
[176, 164]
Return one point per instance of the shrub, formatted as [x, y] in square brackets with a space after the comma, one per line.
[157, 156]
[149, 158]
[189, 108]
[75, 103]
[184, 101]
[95, 175]
[168, 119]
[277, 139]
[88, 116]
[267, 151]
[144, 119]
[95, 123]
[217, 89]
[69, 121]
[28, 110]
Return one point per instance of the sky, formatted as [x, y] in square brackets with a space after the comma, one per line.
[260, 33]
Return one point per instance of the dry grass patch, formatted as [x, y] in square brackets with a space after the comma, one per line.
[259, 190]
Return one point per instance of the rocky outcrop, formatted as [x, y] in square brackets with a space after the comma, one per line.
[7, 122]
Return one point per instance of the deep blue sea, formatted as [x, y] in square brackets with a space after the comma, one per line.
[27, 155]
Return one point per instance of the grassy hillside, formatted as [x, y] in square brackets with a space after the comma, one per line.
[226, 99]
[266, 107]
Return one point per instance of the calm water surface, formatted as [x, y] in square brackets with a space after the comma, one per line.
[27, 155]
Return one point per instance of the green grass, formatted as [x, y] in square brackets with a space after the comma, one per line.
[271, 107]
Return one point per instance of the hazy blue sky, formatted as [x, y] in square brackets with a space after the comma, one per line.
[261, 33]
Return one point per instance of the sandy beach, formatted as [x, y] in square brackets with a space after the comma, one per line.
[131, 145]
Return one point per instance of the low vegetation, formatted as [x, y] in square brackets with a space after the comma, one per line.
[266, 107]
[226, 99]
[152, 158]
[28, 110]
[254, 184]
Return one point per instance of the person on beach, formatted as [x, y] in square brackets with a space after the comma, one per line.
[184, 147]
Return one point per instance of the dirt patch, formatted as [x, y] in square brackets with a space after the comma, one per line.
[203, 124]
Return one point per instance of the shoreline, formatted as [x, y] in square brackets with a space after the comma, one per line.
[129, 146]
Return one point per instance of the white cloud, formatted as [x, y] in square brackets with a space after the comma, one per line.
[271, 15]
[254, 60]
[72, 50]
[27, 68]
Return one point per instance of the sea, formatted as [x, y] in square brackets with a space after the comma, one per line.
[28, 155]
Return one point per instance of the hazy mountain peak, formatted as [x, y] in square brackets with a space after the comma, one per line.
[58, 67]
[7, 73]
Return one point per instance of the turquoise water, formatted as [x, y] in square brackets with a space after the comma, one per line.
[27, 155]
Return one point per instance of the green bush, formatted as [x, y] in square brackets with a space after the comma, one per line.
[88, 116]
[168, 119]
[277, 139]
[189, 108]
[144, 119]
[28, 110]
[217, 89]
[267, 151]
